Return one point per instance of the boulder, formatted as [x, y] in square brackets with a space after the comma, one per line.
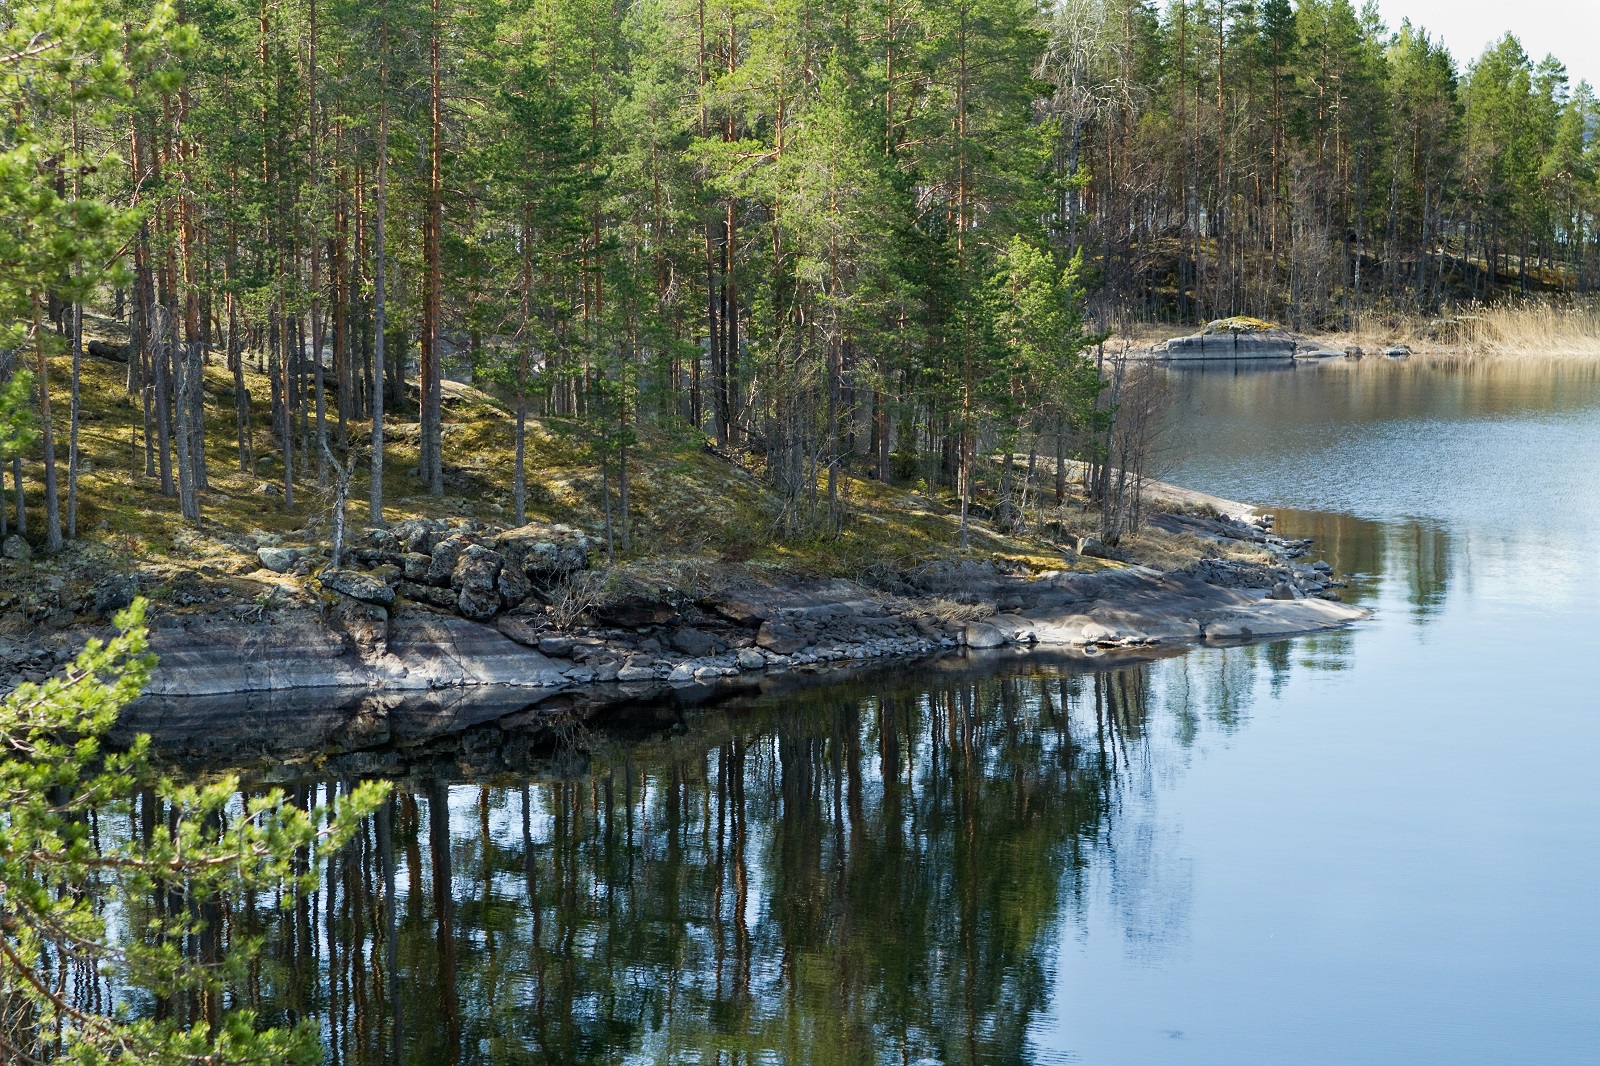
[696, 642]
[476, 576]
[635, 612]
[358, 586]
[388, 573]
[1236, 338]
[114, 592]
[1093, 548]
[415, 565]
[374, 557]
[1282, 591]
[518, 629]
[105, 350]
[683, 672]
[781, 637]
[278, 560]
[446, 553]
[380, 540]
[428, 594]
[983, 635]
[418, 534]
[561, 646]
[544, 549]
[514, 586]
[634, 671]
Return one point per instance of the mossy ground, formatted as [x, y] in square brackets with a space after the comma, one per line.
[691, 508]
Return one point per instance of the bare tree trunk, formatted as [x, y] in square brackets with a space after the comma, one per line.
[341, 499]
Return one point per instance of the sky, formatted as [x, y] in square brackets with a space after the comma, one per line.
[1569, 29]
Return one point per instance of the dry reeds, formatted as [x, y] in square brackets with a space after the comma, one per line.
[1538, 327]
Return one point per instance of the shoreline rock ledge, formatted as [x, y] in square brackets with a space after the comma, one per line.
[1229, 339]
[747, 631]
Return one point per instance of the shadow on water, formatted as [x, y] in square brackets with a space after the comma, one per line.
[876, 869]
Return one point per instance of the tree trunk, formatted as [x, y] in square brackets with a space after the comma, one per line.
[52, 505]
[432, 429]
[379, 295]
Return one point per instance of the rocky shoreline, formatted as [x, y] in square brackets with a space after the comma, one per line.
[443, 607]
[430, 605]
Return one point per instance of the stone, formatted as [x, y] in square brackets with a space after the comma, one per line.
[750, 659]
[545, 549]
[560, 646]
[278, 560]
[476, 577]
[514, 586]
[632, 672]
[1093, 548]
[446, 554]
[114, 592]
[357, 586]
[695, 642]
[682, 672]
[708, 673]
[635, 612]
[607, 671]
[415, 565]
[744, 608]
[16, 548]
[1282, 591]
[418, 535]
[388, 573]
[781, 637]
[1228, 339]
[373, 557]
[381, 540]
[983, 635]
[518, 629]
[428, 594]
[106, 350]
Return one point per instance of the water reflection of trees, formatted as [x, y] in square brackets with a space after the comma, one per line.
[862, 872]
[1419, 556]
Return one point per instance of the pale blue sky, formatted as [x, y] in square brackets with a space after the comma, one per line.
[1570, 29]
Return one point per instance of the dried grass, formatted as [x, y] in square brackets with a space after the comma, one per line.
[1535, 327]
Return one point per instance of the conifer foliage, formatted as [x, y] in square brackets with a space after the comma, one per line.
[877, 235]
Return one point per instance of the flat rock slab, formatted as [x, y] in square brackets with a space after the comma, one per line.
[303, 651]
[1139, 606]
[752, 606]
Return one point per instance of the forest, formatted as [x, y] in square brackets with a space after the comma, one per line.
[887, 236]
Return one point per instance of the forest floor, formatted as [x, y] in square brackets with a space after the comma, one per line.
[697, 515]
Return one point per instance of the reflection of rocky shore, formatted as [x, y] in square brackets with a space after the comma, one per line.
[475, 733]
[852, 874]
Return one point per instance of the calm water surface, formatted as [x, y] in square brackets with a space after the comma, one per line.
[1376, 846]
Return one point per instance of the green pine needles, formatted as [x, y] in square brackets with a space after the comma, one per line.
[117, 884]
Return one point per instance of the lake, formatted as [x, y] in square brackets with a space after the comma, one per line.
[1380, 845]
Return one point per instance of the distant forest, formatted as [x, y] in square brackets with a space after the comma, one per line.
[877, 230]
